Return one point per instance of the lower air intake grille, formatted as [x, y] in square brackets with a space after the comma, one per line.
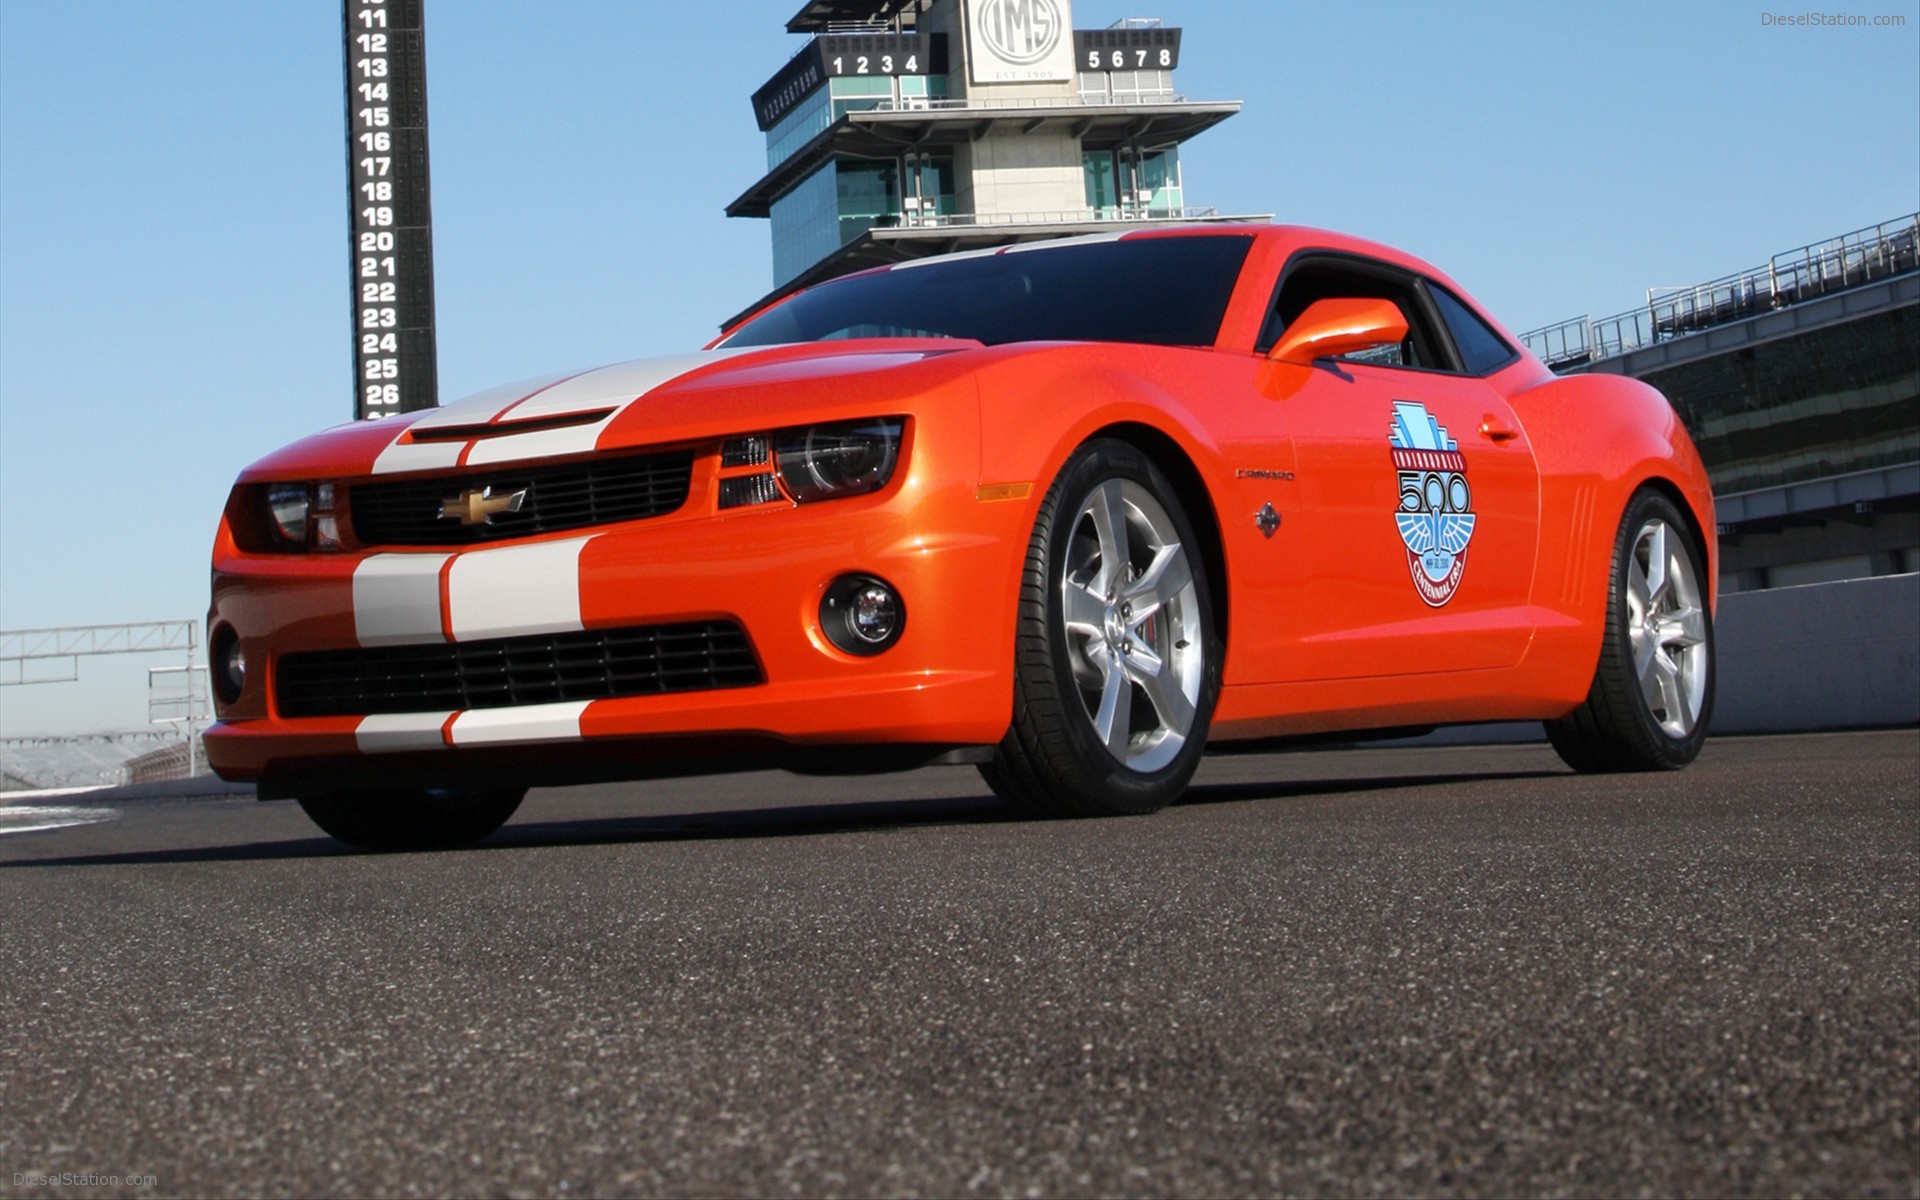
[593, 665]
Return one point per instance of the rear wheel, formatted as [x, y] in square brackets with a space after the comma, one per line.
[1116, 663]
[386, 819]
[1652, 693]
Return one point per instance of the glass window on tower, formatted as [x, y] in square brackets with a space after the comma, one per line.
[799, 127]
[869, 196]
[930, 187]
[852, 92]
[805, 224]
[840, 96]
[1103, 194]
[1159, 186]
[914, 87]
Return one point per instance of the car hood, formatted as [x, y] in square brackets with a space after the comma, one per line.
[640, 402]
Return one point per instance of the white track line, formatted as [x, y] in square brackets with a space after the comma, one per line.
[28, 818]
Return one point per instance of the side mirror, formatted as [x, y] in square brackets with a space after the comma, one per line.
[1330, 328]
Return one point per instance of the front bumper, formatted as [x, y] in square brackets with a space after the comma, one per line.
[953, 558]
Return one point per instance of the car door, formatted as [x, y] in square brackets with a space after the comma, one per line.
[1416, 501]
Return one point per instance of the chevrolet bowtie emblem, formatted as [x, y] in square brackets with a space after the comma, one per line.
[478, 506]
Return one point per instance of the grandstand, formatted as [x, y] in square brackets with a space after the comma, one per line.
[1800, 382]
[79, 760]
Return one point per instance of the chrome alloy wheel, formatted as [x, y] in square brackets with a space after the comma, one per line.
[1133, 625]
[1666, 625]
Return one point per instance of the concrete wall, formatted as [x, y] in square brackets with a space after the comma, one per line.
[1021, 173]
[1824, 656]
[1037, 171]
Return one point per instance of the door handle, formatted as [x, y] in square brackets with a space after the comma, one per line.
[1495, 430]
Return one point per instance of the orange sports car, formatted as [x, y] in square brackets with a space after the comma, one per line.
[1070, 511]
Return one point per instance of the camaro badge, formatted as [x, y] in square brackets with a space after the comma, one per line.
[1436, 514]
[478, 506]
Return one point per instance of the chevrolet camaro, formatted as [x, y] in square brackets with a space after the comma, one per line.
[1070, 511]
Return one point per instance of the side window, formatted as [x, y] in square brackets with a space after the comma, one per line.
[1341, 278]
[1482, 351]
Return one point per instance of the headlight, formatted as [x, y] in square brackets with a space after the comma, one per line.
[301, 516]
[823, 462]
[288, 504]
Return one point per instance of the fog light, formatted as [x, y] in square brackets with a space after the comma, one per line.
[229, 665]
[876, 615]
[862, 615]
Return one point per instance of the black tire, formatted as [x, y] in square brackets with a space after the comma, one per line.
[1618, 728]
[1053, 762]
[391, 819]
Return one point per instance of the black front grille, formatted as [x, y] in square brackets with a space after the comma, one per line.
[564, 496]
[593, 665]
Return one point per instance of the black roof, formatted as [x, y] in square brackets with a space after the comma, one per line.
[882, 246]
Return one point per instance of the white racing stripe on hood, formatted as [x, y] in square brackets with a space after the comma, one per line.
[613, 387]
[401, 455]
[488, 404]
[542, 443]
[417, 456]
[620, 383]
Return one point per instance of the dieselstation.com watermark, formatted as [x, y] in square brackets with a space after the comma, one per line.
[1830, 20]
[81, 1179]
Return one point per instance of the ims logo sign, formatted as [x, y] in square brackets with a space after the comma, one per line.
[1021, 31]
[1015, 41]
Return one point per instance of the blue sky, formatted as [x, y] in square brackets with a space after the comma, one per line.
[173, 278]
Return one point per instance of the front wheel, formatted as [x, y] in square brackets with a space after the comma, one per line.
[1117, 662]
[390, 819]
[1652, 693]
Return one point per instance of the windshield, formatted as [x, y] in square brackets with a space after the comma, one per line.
[1167, 291]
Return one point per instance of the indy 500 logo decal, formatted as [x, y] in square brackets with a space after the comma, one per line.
[1436, 506]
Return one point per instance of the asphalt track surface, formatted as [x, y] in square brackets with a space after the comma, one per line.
[1439, 971]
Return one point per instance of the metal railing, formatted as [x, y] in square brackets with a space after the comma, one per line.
[965, 104]
[1876, 252]
[26, 654]
[22, 646]
[1061, 216]
[1569, 341]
